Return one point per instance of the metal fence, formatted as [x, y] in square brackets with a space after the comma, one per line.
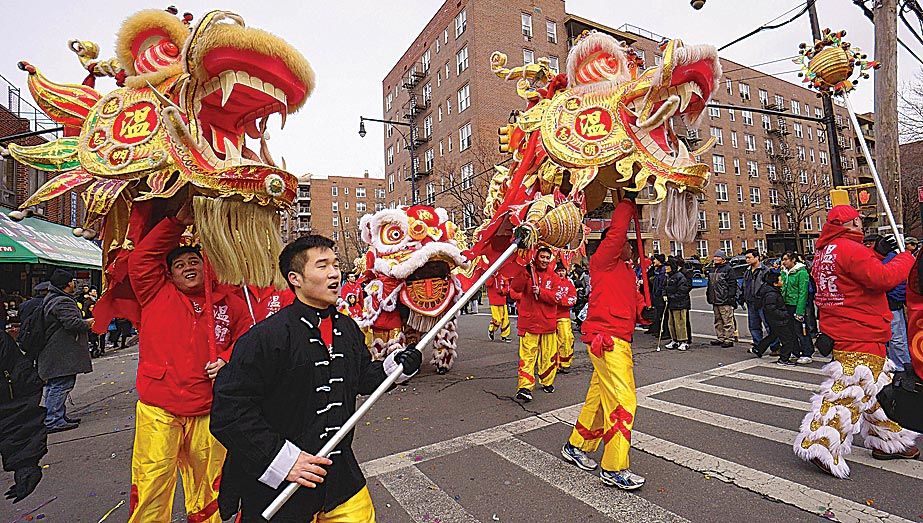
[13, 99]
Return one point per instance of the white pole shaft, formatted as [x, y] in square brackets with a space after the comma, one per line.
[286, 494]
[868, 158]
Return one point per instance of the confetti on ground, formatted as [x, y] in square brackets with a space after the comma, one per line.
[111, 510]
[870, 502]
[495, 518]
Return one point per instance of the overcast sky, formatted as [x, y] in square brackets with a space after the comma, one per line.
[353, 44]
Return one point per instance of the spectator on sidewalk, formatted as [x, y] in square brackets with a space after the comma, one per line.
[781, 323]
[678, 303]
[722, 296]
[898, 347]
[753, 282]
[657, 276]
[795, 293]
[911, 243]
[66, 353]
[38, 296]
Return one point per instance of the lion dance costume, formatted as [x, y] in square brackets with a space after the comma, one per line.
[851, 286]
[176, 130]
[409, 277]
[601, 127]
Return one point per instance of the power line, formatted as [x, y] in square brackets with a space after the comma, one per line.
[760, 75]
[766, 27]
[757, 65]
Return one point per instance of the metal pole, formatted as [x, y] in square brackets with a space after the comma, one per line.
[13, 137]
[836, 167]
[286, 494]
[881, 190]
[413, 165]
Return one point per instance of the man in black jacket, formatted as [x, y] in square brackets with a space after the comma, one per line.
[781, 323]
[722, 296]
[23, 438]
[291, 384]
[657, 277]
[38, 296]
[753, 282]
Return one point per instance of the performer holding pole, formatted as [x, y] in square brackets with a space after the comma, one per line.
[311, 352]
[615, 307]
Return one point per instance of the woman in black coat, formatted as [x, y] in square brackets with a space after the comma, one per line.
[676, 291]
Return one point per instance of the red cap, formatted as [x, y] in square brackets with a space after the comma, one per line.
[842, 214]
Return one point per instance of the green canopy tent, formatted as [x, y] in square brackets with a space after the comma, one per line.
[35, 241]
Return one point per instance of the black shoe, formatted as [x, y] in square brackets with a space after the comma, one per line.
[564, 370]
[727, 344]
[62, 428]
[716, 342]
[72, 420]
[548, 389]
[787, 363]
[441, 370]
[491, 334]
[524, 395]
[752, 350]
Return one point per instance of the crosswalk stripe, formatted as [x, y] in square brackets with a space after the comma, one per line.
[800, 368]
[670, 384]
[751, 396]
[408, 485]
[767, 485]
[619, 505]
[769, 380]
[909, 468]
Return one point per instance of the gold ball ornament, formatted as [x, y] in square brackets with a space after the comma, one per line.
[832, 66]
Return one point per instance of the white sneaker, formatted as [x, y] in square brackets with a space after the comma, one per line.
[683, 346]
[804, 360]
[671, 345]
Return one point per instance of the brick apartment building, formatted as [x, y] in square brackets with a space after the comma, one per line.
[332, 206]
[443, 85]
[18, 182]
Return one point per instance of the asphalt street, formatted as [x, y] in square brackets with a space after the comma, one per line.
[713, 436]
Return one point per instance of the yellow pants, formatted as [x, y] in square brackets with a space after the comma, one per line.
[499, 319]
[357, 509]
[165, 444]
[609, 411]
[565, 336]
[540, 348]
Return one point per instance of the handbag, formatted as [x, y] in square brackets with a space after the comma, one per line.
[824, 344]
[902, 400]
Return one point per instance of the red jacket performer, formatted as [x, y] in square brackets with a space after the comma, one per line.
[851, 286]
[615, 307]
[565, 330]
[498, 287]
[176, 366]
[535, 288]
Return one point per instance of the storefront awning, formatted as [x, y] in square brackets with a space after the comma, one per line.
[37, 241]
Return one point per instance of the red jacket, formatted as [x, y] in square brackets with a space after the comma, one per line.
[352, 289]
[497, 289]
[615, 304]
[264, 301]
[537, 315]
[566, 288]
[174, 338]
[851, 285]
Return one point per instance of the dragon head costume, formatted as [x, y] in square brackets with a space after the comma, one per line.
[605, 124]
[410, 279]
[175, 129]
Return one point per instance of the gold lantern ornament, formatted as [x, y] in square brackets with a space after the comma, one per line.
[832, 65]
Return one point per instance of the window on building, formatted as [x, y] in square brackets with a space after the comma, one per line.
[729, 85]
[692, 133]
[551, 29]
[461, 23]
[655, 246]
[428, 126]
[747, 116]
[390, 155]
[776, 222]
[658, 60]
[770, 148]
[448, 71]
[716, 132]
[528, 57]
[429, 160]
[360, 192]
[335, 206]
[464, 137]
[764, 97]
[721, 192]
[750, 142]
[427, 93]
[527, 25]
[801, 153]
[724, 220]
[803, 177]
[717, 162]
[780, 102]
[464, 98]
[379, 193]
[754, 195]
[808, 224]
[734, 139]
[753, 169]
[773, 196]
[714, 112]
[731, 115]
[388, 101]
[701, 248]
[796, 107]
[448, 107]
[758, 221]
[379, 206]
[424, 61]
[461, 60]
[703, 221]
[799, 130]
[676, 249]
[818, 113]
[336, 223]
[360, 206]
[742, 221]
[553, 64]
[439, 113]
[391, 183]
[767, 122]
[334, 191]
[811, 155]
[430, 193]
[389, 130]
[467, 176]
[727, 246]
[744, 91]
[737, 166]
[740, 193]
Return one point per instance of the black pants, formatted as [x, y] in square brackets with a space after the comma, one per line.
[658, 321]
[785, 334]
[122, 330]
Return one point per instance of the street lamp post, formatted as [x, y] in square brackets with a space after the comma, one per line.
[412, 147]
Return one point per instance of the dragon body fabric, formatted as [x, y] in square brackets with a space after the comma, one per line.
[176, 129]
[410, 281]
[605, 124]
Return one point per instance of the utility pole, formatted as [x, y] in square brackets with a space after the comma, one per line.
[887, 145]
[833, 145]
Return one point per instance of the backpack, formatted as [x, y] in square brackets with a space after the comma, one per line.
[32, 332]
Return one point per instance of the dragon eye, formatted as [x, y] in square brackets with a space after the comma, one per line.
[392, 234]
